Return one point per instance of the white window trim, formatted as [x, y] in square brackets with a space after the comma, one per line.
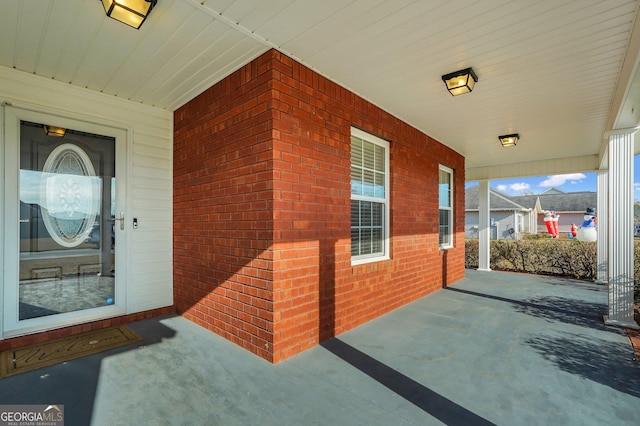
[450, 209]
[369, 258]
[519, 228]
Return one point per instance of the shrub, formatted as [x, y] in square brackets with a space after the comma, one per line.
[471, 253]
[569, 258]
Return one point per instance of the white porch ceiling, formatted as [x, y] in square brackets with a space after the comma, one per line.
[559, 72]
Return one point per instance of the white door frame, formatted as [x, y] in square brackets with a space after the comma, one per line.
[10, 325]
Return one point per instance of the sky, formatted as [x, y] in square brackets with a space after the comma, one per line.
[574, 182]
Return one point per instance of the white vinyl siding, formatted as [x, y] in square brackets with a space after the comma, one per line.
[149, 133]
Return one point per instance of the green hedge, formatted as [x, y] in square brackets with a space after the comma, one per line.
[567, 258]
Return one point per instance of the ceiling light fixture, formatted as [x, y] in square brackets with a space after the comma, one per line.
[460, 82]
[54, 131]
[130, 12]
[509, 140]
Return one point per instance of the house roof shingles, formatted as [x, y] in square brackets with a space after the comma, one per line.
[497, 200]
[569, 202]
[559, 202]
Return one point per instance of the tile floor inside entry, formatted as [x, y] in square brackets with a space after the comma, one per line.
[52, 296]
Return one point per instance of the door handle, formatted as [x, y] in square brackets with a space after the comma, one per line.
[121, 219]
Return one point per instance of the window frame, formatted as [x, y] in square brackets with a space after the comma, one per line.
[519, 228]
[450, 209]
[384, 255]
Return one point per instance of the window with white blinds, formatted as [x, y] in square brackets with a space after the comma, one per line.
[369, 197]
[445, 202]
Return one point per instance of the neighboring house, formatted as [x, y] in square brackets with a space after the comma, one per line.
[525, 213]
[571, 206]
[509, 218]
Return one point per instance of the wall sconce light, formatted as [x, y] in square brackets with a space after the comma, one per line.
[56, 132]
[130, 12]
[509, 140]
[460, 82]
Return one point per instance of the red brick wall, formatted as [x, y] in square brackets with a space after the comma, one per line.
[223, 208]
[263, 256]
[317, 293]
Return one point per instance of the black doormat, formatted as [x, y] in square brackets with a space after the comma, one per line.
[32, 357]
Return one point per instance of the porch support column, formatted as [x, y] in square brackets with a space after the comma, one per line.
[602, 266]
[620, 230]
[484, 230]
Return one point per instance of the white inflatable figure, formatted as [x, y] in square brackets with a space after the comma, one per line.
[587, 231]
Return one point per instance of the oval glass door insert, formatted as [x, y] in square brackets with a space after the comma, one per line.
[70, 195]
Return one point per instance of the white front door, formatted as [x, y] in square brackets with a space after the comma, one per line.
[64, 222]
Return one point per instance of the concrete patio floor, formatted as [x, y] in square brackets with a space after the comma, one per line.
[495, 348]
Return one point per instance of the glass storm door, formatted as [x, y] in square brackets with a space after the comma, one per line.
[67, 226]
